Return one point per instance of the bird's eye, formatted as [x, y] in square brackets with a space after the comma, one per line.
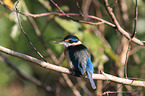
[70, 41]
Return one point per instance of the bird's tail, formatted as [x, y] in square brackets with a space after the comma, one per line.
[91, 80]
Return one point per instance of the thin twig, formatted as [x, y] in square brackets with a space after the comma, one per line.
[58, 7]
[135, 20]
[28, 38]
[79, 9]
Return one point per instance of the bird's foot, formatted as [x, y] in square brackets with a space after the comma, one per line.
[75, 73]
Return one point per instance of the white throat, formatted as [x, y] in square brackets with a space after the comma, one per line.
[72, 44]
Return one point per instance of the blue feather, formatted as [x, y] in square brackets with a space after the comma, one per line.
[89, 72]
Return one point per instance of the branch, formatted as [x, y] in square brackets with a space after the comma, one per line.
[103, 76]
[135, 20]
[115, 92]
[122, 31]
[119, 28]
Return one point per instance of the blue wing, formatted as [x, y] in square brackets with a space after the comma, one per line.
[89, 72]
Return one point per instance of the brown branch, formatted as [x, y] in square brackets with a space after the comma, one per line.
[115, 92]
[135, 20]
[119, 28]
[58, 7]
[103, 76]
[26, 77]
[79, 8]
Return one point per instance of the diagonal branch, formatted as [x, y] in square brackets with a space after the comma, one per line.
[34, 60]
[103, 76]
[19, 21]
[119, 28]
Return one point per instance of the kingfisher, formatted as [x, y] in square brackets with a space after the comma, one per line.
[78, 57]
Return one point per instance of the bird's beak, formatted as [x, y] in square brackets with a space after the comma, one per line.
[60, 42]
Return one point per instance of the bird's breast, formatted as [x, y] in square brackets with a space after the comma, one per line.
[66, 53]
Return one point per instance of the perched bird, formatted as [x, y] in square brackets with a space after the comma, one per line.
[78, 57]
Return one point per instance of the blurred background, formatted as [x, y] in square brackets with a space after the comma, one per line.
[107, 46]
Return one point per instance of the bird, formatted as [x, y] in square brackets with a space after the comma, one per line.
[78, 57]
